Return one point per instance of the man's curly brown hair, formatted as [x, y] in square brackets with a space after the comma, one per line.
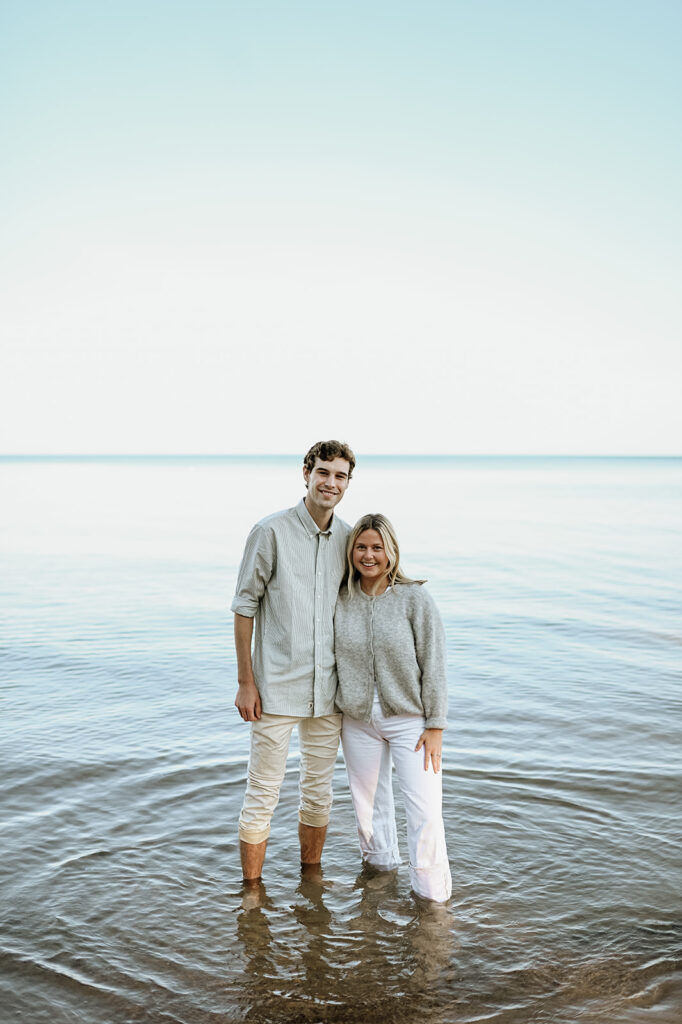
[326, 451]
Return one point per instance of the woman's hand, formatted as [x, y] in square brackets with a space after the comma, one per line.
[432, 742]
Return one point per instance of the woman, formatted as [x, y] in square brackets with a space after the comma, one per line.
[390, 659]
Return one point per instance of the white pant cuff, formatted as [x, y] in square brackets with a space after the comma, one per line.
[386, 860]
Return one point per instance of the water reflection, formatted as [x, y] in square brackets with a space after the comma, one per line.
[381, 957]
[368, 951]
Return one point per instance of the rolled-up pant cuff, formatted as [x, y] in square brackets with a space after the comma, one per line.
[385, 860]
[313, 819]
[254, 836]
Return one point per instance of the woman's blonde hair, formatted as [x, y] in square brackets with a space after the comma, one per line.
[384, 527]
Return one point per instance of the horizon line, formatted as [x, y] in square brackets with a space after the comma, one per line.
[365, 455]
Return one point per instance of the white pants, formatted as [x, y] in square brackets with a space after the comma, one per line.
[270, 736]
[368, 748]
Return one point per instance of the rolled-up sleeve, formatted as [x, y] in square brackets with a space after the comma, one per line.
[429, 638]
[257, 566]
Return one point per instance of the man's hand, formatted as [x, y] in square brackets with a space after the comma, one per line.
[247, 701]
[432, 742]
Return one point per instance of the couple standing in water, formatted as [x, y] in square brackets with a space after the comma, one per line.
[344, 644]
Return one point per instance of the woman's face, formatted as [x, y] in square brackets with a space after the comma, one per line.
[369, 557]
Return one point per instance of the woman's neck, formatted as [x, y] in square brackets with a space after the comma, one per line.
[374, 587]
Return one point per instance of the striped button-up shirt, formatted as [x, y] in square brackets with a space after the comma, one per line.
[288, 581]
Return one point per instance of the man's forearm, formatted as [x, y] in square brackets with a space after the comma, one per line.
[247, 701]
[243, 632]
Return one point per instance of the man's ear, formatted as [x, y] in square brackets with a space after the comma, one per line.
[306, 476]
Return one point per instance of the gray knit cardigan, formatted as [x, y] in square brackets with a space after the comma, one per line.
[396, 642]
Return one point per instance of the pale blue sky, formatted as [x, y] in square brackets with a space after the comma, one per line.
[417, 226]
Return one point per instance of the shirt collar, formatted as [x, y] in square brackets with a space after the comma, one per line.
[309, 523]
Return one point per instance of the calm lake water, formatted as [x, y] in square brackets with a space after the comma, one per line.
[124, 759]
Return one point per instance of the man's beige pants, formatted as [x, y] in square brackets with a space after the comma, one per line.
[270, 737]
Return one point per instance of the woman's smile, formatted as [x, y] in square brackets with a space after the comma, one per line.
[370, 558]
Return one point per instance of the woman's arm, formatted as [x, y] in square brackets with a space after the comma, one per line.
[429, 643]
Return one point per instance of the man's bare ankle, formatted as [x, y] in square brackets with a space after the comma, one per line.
[312, 872]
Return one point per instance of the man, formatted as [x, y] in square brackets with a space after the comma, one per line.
[288, 582]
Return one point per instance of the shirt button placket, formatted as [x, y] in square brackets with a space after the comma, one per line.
[371, 647]
[318, 607]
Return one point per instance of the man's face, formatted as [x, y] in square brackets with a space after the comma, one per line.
[326, 482]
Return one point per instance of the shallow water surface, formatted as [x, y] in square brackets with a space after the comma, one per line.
[124, 760]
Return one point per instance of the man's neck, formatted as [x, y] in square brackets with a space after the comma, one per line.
[322, 519]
